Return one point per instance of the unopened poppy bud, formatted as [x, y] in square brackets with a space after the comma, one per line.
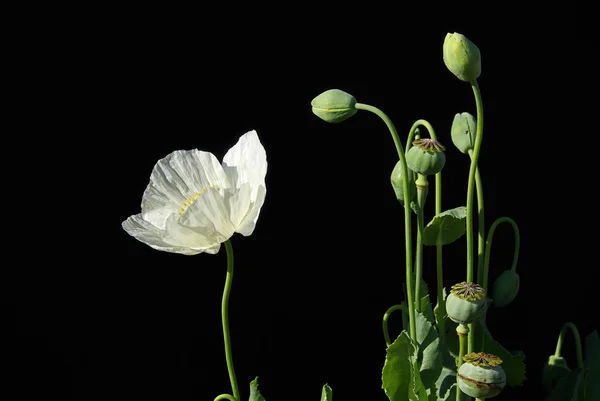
[463, 131]
[554, 369]
[466, 303]
[462, 57]
[481, 376]
[505, 288]
[334, 106]
[426, 156]
[397, 180]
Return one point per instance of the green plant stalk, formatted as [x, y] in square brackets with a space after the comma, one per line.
[386, 316]
[407, 211]
[414, 130]
[561, 338]
[488, 247]
[463, 332]
[438, 260]
[471, 189]
[480, 249]
[226, 397]
[225, 318]
[422, 189]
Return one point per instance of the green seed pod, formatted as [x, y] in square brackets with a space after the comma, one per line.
[463, 132]
[481, 376]
[505, 288]
[461, 57]
[397, 180]
[466, 303]
[334, 106]
[426, 156]
[554, 370]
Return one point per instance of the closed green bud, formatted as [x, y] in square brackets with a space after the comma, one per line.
[554, 369]
[334, 106]
[426, 156]
[466, 303]
[462, 57]
[397, 180]
[463, 132]
[505, 288]
[481, 376]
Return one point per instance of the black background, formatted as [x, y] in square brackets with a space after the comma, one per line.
[121, 321]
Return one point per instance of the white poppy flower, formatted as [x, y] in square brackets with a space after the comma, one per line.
[193, 203]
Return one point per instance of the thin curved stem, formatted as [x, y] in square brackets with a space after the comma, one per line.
[561, 338]
[225, 318]
[225, 397]
[488, 247]
[463, 332]
[386, 316]
[471, 182]
[407, 212]
[481, 225]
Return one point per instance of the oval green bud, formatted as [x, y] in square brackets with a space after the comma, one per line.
[426, 157]
[554, 369]
[481, 375]
[505, 288]
[397, 180]
[466, 303]
[462, 57]
[463, 132]
[334, 106]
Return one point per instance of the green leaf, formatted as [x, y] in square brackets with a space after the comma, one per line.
[427, 309]
[428, 354]
[398, 369]
[417, 384]
[446, 227]
[254, 393]
[567, 388]
[326, 394]
[512, 362]
[591, 365]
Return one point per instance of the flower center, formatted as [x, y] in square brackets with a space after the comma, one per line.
[190, 201]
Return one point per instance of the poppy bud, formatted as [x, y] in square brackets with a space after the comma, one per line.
[463, 132]
[397, 180]
[461, 57]
[334, 106]
[505, 288]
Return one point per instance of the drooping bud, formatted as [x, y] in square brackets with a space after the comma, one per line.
[481, 376]
[554, 369]
[462, 57]
[466, 303]
[334, 106]
[505, 288]
[426, 156]
[463, 131]
[397, 180]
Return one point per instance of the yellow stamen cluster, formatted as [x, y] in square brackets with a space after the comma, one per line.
[189, 201]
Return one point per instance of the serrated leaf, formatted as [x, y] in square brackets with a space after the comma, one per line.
[418, 388]
[427, 309]
[591, 365]
[512, 362]
[254, 393]
[447, 377]
[397, 374]
[428, 353]
[446, 227]
[326, 394]
[567, 388]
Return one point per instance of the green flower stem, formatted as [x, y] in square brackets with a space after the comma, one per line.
[225, 318]
[226, 397]
[561, 338]
[471, 190]
[481, 225]
[463, 332]
[386, 316]
[407, 211]
[438, 209]
[488, 247]
[422, 189]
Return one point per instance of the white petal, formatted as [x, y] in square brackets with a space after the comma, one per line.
[150, 235]
[175, 179]
[248, 223]
[246, 162]
[209, 216]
